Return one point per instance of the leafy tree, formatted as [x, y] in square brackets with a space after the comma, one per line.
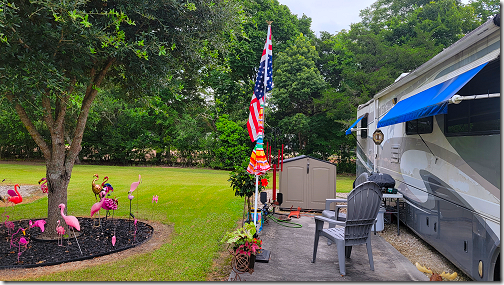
[297, 83]
[51, 50]
[394, 36]
[244, 184]
[15, 142]
[232, 145]
[231, 89]
[484, 9]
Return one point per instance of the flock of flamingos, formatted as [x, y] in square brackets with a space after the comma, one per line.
[100, 191]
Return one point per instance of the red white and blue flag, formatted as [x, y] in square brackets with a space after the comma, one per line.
[263, 83]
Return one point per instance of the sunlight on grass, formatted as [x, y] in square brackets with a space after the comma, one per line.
[199, 203]
[344, 183]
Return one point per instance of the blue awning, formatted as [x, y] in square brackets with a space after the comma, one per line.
[349, 131]
[429, 102]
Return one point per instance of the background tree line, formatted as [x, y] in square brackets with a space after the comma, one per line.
[201, 120]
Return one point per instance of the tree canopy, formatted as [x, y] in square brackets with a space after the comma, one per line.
[170, 82]
[59, 55]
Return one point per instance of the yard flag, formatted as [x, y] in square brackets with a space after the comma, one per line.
[263, 83]
[258, 164]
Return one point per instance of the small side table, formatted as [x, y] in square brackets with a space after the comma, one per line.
[397, 197]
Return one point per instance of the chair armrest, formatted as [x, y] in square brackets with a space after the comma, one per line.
[322, 219]
[337, 212]
[329, 201]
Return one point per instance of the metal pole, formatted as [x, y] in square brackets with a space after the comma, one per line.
[274, 182]
[255, 204]
[375, 156]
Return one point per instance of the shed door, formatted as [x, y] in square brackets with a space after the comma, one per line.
[321, 185]
[295, 178]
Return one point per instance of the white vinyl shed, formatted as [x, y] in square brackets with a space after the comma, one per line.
[307, 182]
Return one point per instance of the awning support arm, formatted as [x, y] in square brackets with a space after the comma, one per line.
[357, 141]
[456, 99]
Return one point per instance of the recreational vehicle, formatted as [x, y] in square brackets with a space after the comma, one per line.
[436, 131]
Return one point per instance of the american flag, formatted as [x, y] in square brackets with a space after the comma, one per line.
[262, 84]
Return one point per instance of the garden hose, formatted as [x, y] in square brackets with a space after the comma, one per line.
[281, 222]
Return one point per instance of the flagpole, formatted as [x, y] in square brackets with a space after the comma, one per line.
[256, 193]
[258, 161]
[263, 117]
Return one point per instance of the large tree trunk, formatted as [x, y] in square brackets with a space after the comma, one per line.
[58, 177]
[59, 160]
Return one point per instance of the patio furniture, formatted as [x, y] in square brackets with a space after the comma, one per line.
[336, 215]
[362, 209]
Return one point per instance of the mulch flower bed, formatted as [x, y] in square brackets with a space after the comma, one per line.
[93, 241]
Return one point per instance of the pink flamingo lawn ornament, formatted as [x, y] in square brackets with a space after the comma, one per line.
[111, 204]
[72, 223]
[37, 223]
[96, 208]
[105, 179]
[15, 198]
[22, 242]
[133, 187]
[8, 224]
[43, 186]
[13, 239]
[107, 186]
[61, 231]
[134, 234]
[154, 199]
[108, 204]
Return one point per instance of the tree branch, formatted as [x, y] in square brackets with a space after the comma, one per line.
[48, 119]
[91, 91]
[23, 116]
[61, 110]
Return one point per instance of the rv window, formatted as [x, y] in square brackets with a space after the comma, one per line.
[473, 117]
[363, 133]
[419, 126]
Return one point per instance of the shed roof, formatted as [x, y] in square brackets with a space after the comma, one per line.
[306, 156]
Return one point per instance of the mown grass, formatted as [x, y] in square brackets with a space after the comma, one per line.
[199, 203]
[344, 183]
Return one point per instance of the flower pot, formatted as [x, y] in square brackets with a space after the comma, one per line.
[244, 263]
[252, 261]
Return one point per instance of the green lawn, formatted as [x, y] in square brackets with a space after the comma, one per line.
[344, 183]
[199, 203]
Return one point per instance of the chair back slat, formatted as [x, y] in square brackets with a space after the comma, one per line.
[363, 177]
[363, 205]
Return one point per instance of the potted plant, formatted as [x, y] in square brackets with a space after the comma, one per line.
[245, 246]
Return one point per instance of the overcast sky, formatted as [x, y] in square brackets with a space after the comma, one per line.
[330, 15]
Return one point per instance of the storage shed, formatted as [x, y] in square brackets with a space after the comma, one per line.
[307, 182]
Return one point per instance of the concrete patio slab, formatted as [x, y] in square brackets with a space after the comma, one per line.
[291, 255]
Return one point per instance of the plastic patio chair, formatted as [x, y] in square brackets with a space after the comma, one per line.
[336, 215]
[363, 204]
